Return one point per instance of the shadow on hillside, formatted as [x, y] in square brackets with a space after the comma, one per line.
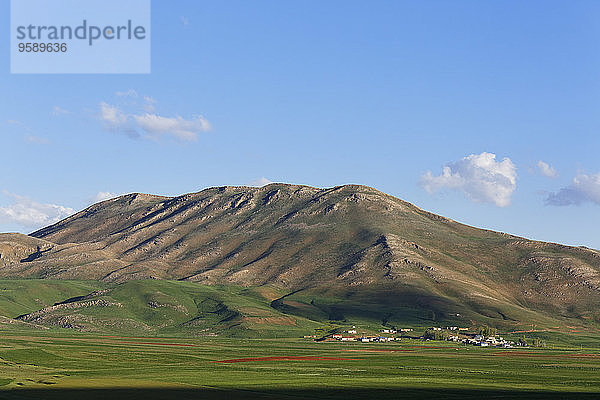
[210, 394]
[34, 256]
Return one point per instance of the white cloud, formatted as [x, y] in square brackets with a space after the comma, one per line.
[128, 93]
[547, 170]
[31, 214]
[19, 123]
[149, 104]
[583, 189]
[101, 196]
[28, 133]
[185, 21]
[35, 139]
[150, 124]
[116, 120]
[57, 111]
[184, 129]
[112, 117]
[479, 176]
[260, 182]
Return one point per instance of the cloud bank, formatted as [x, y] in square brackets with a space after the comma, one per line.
[183, 129]
[144, 122]
[31, 214]
[479, 176]
[583, 189]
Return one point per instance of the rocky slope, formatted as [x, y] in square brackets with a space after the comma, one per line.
[350, 242]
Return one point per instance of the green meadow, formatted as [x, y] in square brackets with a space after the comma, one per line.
[53, 365]
[168, 339]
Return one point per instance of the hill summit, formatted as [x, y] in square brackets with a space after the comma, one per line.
[360, 250]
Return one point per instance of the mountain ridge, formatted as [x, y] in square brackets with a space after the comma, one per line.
[351, 244]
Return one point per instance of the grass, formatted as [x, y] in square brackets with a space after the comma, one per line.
[189, 309]
[150, 307]
[26, 295]
[163, 339]
[51, 365]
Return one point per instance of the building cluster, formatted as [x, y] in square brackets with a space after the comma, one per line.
[450, 333]
[363, 338]
[483, 341]
[478, 340]
[352, 335]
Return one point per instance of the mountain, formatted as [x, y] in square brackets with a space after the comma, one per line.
[349, 252]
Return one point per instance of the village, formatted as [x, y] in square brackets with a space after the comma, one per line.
[484, 337]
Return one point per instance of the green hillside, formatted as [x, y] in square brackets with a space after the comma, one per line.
[148, 308]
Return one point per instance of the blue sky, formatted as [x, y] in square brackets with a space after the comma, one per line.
[484, 112]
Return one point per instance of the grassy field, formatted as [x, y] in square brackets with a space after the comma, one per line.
[52, 365]
[166, 339]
